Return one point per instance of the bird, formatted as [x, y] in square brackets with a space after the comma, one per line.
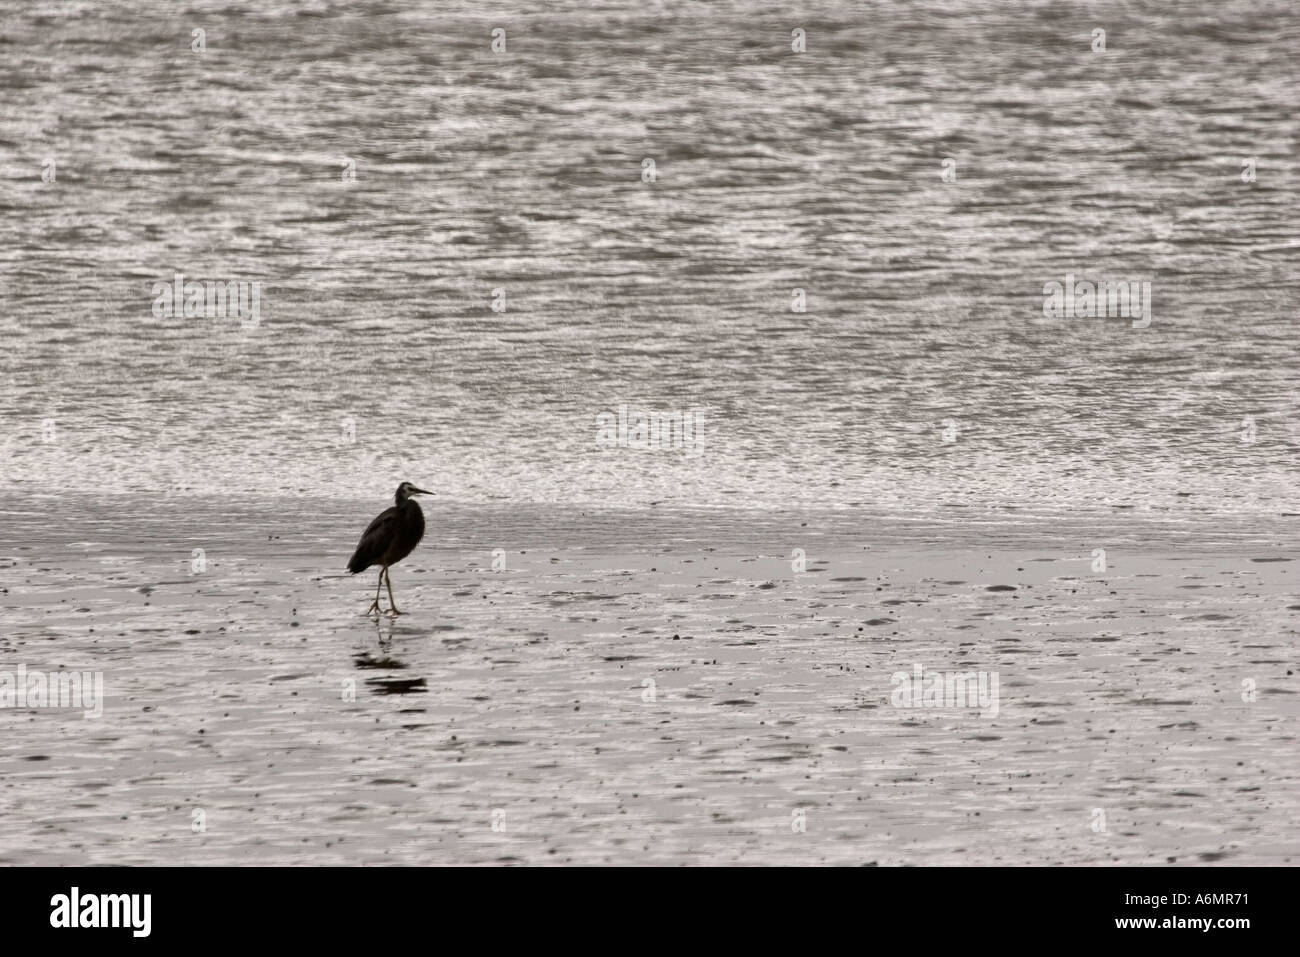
[388, 539]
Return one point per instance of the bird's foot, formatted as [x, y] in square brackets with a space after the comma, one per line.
[374, 606]
[394, 612]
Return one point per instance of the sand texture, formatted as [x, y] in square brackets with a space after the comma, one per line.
[508, 715]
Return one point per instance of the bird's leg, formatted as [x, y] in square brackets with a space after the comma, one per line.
[392, 605]
[374, 605]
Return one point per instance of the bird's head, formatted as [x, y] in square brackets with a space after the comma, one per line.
[406, 490]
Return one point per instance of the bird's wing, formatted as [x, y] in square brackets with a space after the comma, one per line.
[374, 540]
[380, 520]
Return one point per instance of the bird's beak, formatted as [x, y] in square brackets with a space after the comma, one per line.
[420, 491]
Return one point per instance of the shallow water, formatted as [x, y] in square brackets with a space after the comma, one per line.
[378, 356]
[178, 496]
[253, 691]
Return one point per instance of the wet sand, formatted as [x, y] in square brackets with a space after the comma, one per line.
[506, 717]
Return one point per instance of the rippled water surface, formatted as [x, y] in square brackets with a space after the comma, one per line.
[924, 469]
[378, 355]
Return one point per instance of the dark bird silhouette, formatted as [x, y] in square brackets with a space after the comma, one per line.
[388, 539]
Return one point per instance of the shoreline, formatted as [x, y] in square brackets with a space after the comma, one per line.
[244, 514]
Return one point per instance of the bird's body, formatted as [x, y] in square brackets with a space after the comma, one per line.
[388, 539]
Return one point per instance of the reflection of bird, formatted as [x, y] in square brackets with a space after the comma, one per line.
[388, 539]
